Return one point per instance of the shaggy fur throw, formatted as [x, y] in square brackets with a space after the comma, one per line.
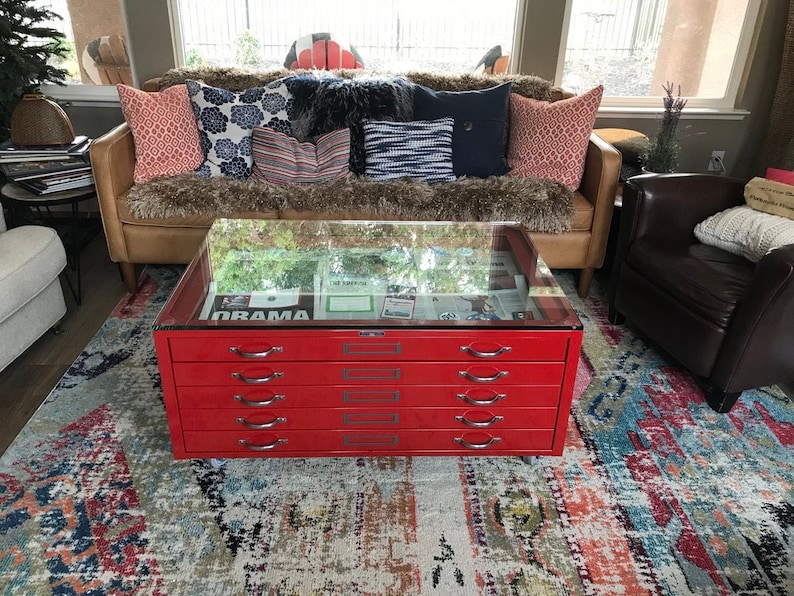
[236, 79]
[542, 205]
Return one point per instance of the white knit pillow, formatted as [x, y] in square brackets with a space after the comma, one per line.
[746, 232]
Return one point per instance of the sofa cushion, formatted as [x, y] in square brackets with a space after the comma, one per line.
[707, 282]
[420, 149]
[226, 120]
[746, 232]
[283, 159]
[478, 136]
[549, 139]
[164, 129]
[324, 103]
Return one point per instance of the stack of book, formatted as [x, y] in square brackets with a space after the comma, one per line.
[48, 169]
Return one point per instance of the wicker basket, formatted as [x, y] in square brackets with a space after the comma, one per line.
[37, 120]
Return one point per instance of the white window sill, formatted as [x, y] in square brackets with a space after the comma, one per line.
[87, 95]
[689, 113]
[107, 96]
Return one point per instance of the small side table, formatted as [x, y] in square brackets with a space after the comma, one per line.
[76, 235]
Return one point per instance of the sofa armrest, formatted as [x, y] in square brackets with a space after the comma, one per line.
[760, 341]
[113, 164]
[152, 84]
[599, 185]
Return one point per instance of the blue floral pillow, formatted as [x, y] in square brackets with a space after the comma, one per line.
[226, 120]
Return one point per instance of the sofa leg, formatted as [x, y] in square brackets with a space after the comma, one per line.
[585, 279]
[58, 328]
[129, 277]
[721, 401]
[614, 316]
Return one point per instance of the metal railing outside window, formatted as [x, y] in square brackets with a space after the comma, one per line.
[393, 35]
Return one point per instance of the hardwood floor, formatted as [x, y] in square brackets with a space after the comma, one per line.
[27, 381]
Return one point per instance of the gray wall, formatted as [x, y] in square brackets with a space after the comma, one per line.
[152, 54]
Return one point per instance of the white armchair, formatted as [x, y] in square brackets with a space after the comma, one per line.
[31, 298]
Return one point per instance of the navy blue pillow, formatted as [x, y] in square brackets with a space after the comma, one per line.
[478, 137]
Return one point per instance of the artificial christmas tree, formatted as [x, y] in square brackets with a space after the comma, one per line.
[27, 44]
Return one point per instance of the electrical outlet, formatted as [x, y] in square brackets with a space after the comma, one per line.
[717, 161]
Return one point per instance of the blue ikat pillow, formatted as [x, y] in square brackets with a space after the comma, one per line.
[420, 149]
[226, 120]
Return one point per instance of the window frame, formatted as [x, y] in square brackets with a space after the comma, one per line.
[178, 45]
[704, 106]
[545, 55]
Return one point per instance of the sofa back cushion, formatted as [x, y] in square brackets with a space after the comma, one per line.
[282, 159]
[549, 140]
[419, 149]
[236, 79]
[226, 120]
[164, 130]
[478, 136]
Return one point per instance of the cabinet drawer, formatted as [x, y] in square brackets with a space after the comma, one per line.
[407, 442]
[280, 419]
[353, 346]
[411, 396]
[383, 374]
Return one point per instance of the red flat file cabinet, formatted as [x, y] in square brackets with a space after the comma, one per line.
[369, 360]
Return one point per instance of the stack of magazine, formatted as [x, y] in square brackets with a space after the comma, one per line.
[44, 170]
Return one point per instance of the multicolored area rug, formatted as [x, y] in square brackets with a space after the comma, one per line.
[655, 494]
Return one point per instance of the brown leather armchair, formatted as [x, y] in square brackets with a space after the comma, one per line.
[726, 319]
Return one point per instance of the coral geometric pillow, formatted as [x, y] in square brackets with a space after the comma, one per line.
[283, 159]
[164, 131]
[549, 139]
[226, 120]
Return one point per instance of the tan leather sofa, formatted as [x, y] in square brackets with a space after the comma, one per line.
[132, 240]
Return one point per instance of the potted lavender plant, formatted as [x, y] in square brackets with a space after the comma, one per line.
[662, 153]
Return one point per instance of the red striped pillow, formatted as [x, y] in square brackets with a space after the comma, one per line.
[283, 159]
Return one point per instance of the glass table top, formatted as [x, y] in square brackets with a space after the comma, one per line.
[291, 273]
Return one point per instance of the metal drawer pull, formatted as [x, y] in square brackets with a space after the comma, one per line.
[262, 425]
[471, 377]
[259, 404]
[254, 380]
[468, 422]
[478, 354]
[265, 354]
[484, 402]
[253, 447]
[465, 443]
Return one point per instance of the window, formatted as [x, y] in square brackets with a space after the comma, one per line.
[389, 35]
[98, 58]
[633, 47]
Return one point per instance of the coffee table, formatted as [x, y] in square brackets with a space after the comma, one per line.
[363, 338]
